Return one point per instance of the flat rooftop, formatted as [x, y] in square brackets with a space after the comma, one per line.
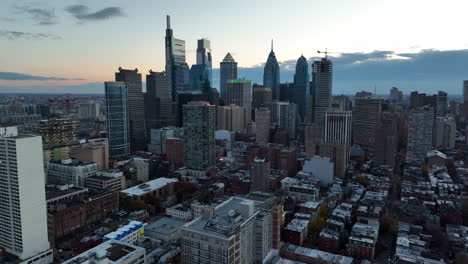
[115, 251]
[148, 187]
[165, 226]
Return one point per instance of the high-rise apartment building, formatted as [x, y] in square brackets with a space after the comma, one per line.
[420, 128]
[159, 136]
[271, 74]
[231, 117]
[136, 108]
[228, 71]
[442, 104]
[301, 85]
[239, 92]
[158, 102]
[204, 57]
[445, 129]
[57, 131]
[386, 139]
[199, 127]
[260, 175]
[23, 208]
[366, 117]
[263, 124]
[90, 111]
[176, 67]
[283, 115]
[118, 133]
[321, 90]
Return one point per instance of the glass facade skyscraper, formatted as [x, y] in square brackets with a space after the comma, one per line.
[321, 90]
[271, 75]
[116, 94]
[204, 57]
[228, 71]
[198, 76]
[301, 85]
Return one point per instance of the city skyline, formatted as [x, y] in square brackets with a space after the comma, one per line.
[57, 28]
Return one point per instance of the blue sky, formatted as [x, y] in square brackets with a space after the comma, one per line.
[75, 45]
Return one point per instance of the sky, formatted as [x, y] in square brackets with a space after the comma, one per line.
[55, 46]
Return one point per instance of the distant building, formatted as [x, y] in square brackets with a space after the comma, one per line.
[158, 101]
[232, 118]
[90, 111]
[386, 140]
[136, 110]
[199, 128]
[321, 90]
[396, 96]
[260, 175]
[57, 131]
[228, 71]
[283, 115]
[263, 125]
[118, 130]
[420, 128]
[159, 136]
[301, 85]
[23, 210]
[366, 117]
[204, 56]
[239, 92]
[442, 104]
[445, 129]
[260, 96]
[271, 75]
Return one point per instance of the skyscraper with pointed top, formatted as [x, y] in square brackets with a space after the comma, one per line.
[271, 74]
[228, 71]
[301, 85]
[176, 67]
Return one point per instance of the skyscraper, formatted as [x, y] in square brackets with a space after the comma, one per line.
[176, 67]
[228, 71]
[199, 127]
[136, 108]
[204, 57]
[420, 125]
[239, 92]
[260, 96]
[445, 129]
[321, 90]
[386, 139]
[301, 85]
[117, 118]
[441, 104]
[232, 118]
[366, 117]
[158, 102]
[271, 74]
[263, 124]
[23, 209]
[260, 175]
[198, 77]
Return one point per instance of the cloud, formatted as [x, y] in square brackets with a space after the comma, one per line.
[81, 12]
[41, 16]
[14, 76]
[14, 35]
[427, 70]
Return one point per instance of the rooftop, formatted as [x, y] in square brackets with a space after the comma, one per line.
[318, 254]
[114, 251]
[165, 225]
[148, 187]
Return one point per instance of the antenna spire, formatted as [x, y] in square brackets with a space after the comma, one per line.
[271, 45]
[168, 21]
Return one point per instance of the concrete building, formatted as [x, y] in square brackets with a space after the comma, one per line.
[239, 92]
[232, 232]
[396, 96]
[57, 131]
[105, 180]
[199, 128]
[445, 129]
[159, 136]
[320, 90]
[136, 110]
[283, 115]
[90, 111]
[271, 75]
[420, 129]
[260, 175]
[228, 71]
[263, 125]
[366, 118]
[386, 140]
[175, 151]
[118, 130]
[111, 252]
[94, 150]
[23, 208]
[337, 127]
[71, 171]
[128, 233]
[260, 96]
[232, 118]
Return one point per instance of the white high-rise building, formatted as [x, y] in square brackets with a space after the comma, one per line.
[338, 127]
[23, 209]
[90, 111]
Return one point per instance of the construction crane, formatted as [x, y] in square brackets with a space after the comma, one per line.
[326, 52]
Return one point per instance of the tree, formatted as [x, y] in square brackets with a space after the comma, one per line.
[320, 222]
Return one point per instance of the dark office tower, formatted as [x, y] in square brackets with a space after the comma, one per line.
[199, 128]
[260, 174]
[322, 74]
[158, 103]
[198, 77]
[176, 68]
[271, 75]
[301, 85]
[286, 92]
[204, 56]
[228, 71]
[441, 104]
[136, 108]
[386, 139]
[260, 96]
[116, 94]
[366, 117]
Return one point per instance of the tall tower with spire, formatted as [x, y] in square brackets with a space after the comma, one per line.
[301, 85]
[271, 74]
[228, 71]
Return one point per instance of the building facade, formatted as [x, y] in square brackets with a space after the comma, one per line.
[366, 118]
[301, 85]
[263, 124]
[231, 118]
[239, 92]
[271, 75]
[420, 128]
[321, 90]
[118, 133]
[228, 71]
[260, 175]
